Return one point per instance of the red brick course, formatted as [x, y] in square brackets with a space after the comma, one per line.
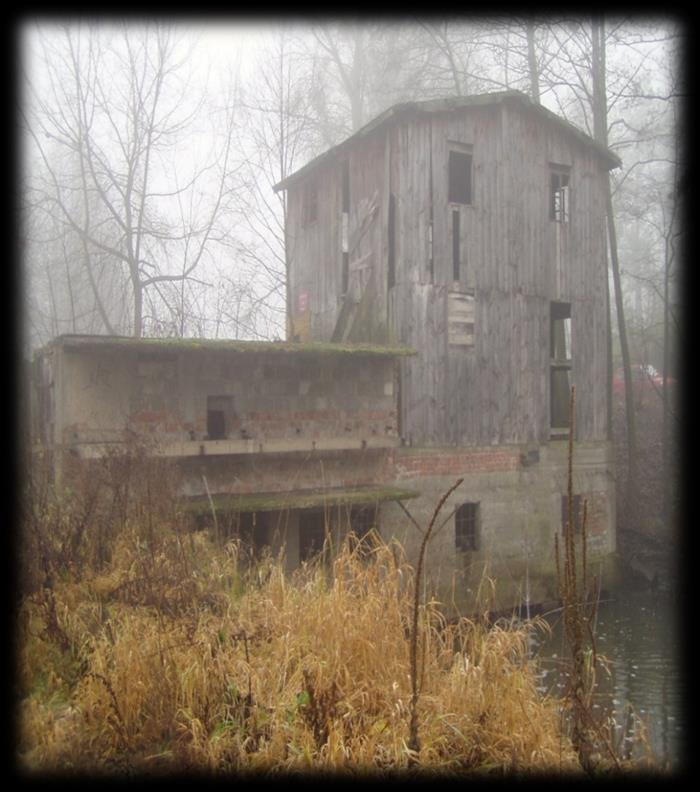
[446, 463]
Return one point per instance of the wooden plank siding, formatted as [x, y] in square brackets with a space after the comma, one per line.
[513, 256]
[315, 251]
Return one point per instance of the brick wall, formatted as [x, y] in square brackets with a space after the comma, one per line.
[455, 462]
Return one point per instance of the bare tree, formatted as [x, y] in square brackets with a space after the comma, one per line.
[277, 138]
[117, 101]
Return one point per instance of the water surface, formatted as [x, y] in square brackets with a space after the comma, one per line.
[639, 634]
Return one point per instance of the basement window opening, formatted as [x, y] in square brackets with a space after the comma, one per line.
[460, 177]
[312, 534]
[467, 527]
[560, 365]
[363, 520]
[559, 194]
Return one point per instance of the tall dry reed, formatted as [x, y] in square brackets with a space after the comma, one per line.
[178, 657]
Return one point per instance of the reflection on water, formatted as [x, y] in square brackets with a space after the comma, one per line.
[638, 633]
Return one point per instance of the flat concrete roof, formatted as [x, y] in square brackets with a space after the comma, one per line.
[156, 345]
[305, 499]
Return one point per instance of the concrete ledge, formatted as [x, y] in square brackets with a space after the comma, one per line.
[190, 448]
[304, 499]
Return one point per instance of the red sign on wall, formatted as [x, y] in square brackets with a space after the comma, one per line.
[303, 302]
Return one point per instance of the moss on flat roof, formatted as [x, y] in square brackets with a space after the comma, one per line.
[312, 348]
[281, 501]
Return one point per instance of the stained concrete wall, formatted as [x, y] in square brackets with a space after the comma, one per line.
[304, 403]
[290, 400]
[520, 513]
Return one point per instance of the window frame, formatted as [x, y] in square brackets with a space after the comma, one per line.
[560, 188]
[559, 311]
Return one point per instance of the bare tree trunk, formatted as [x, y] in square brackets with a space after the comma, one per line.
[532, 62]
[600, 124]
[631, 492]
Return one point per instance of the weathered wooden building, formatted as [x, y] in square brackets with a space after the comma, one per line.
[448, 285]
[473, 230]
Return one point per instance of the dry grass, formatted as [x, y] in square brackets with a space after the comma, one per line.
[234, 669]
[162, 651]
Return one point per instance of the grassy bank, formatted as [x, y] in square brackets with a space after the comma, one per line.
[156, 650]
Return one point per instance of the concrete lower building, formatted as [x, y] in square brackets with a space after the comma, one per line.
[289, 444]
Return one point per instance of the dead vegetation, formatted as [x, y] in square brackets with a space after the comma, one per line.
[161, 651]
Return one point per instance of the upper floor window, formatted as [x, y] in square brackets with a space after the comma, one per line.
[560, 364]
[559, 193]
[309, 203]
[460, 176]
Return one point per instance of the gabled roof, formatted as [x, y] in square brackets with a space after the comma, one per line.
[405, 110]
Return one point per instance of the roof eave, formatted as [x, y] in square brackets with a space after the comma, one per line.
[447, 105]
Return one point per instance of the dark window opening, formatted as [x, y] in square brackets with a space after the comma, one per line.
[312, 534]
[219, 415]
[467, 527]
[460, 177]
[559, 195]
[431, 261]
[254, 533]
[455, 246]
[309, 206]
[346, 186]
[363, 520]
[391, 242]
[251, 529]
[346, 272]
[577, 515]
[560, 364]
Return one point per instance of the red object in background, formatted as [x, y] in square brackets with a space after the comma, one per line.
[645, 379]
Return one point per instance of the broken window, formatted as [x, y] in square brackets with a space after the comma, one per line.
[577, 515]
[312, 534]
[309, 204]
[460, 177]
[219, 416]
[560, 364]
[467, 527]
[559, 194]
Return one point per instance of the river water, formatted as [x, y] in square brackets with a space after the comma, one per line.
[638, 632]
